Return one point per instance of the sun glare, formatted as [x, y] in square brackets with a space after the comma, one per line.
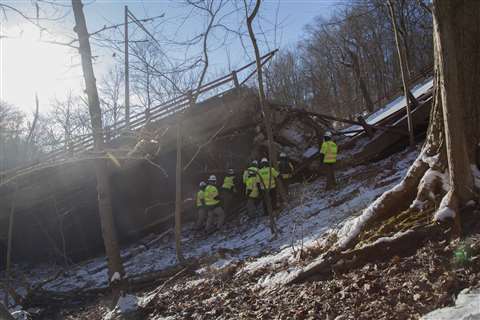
[31, 65]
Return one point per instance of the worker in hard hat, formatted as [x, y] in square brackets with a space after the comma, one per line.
[252, 191]
[328, 157]
[252, 167]
[268, 184]
[215, 214]
[200, 205]
[228, 191]
[285, 167]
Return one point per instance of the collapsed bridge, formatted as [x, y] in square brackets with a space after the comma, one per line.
[50, 208]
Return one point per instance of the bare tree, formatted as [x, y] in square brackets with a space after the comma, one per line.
[264, 107]
[115, 266]
[111, 93]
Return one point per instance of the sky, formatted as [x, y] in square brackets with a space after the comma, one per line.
[29, 65]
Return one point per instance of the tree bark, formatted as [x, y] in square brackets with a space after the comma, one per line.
[9, 246]
[115, 265]
[455, 24]
[265, 109]
[178, 193]
[361, 81]
[5, 314]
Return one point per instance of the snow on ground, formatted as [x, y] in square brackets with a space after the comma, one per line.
[467, 307]
[394, 105]
[310, 214]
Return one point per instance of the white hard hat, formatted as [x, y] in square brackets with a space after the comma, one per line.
[264, 160]
[328, 134]
[202, 184]
[255, 162]
[283, 154]
[212, 178]
[231, 171]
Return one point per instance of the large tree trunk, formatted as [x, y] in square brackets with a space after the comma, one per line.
[115, 265]
[456, 33]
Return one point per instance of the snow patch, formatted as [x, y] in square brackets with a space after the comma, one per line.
[126, 304]
[444, 212]
[21, 315]
[116, 277]
[310, 152]
[476, 175]
[467, 307]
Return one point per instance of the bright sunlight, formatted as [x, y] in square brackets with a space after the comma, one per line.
[29, 65]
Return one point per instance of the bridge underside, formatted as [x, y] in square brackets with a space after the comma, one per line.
[55, 204]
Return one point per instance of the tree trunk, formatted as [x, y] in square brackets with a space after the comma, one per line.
[5, 314]
[456, 23]
[361, 81]
[265, 109]
[115, 266]
[403, 64]
[178, 193]
[9, 246]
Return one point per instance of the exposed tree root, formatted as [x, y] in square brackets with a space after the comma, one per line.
[389, 204]
[398, 221]
[401, 244]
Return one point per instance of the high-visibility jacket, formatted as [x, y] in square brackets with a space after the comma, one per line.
[286, 169]
[251, 186]
[229, 183]
[329, 151]
[211, 196]
[246, 172]
[200, 198]
[268, 176]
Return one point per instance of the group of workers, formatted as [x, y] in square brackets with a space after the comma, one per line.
[259, 183]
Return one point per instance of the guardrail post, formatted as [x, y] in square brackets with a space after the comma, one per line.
[190, 98]
[235, 79]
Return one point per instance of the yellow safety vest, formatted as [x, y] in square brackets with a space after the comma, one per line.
[268, 176]
[200, 198]
[245, 173]
[329, 150]
[229, 183]
[211, 192]
[251, 185]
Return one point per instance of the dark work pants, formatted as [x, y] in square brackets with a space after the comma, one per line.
[330, 174]
[273, 199]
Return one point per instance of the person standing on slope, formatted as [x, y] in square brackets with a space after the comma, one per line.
[228, 191]
[252, 191]
[268, 184]
[328, 157]
[215, 214]
[285, 167]
[200, 205]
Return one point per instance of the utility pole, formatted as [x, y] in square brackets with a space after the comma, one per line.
[148, 92]
[402, 71]
[127, 83]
